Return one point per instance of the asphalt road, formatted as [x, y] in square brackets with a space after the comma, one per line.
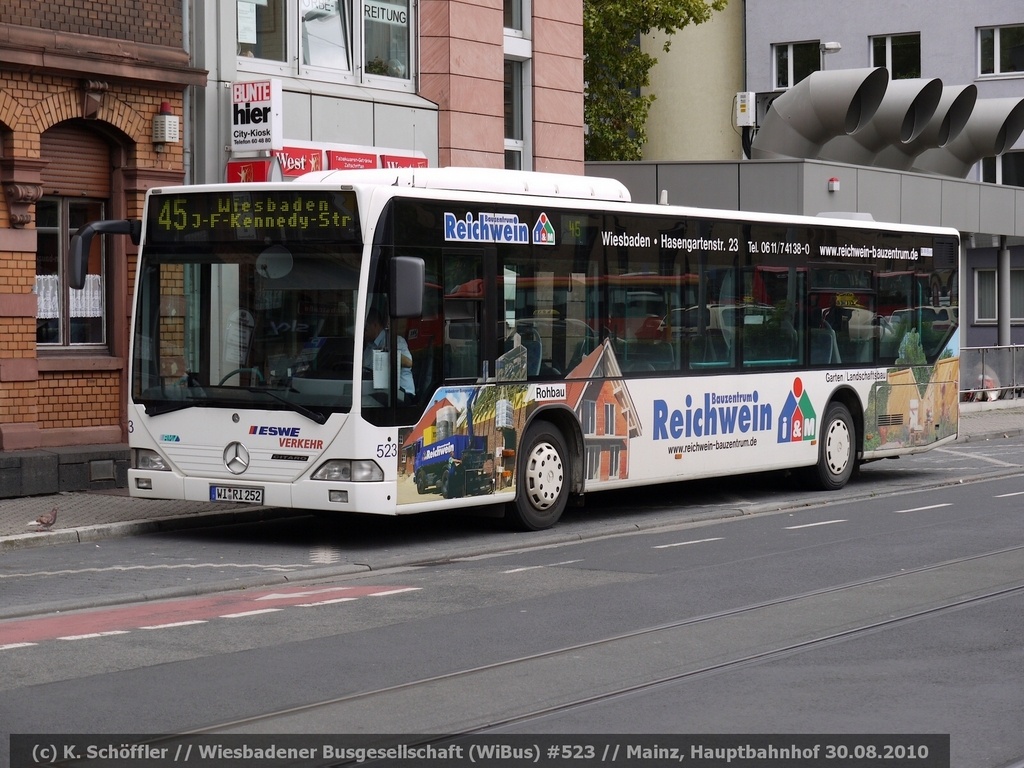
[891, 607]
[234, 552]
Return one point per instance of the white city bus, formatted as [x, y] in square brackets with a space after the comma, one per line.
[563, 340]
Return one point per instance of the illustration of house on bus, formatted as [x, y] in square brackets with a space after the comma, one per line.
[608, 418]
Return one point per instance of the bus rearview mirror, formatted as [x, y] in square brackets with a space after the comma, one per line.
[81, 244]
[408, 275]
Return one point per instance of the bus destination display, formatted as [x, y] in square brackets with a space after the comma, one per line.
[280, 215]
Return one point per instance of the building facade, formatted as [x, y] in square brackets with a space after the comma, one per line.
[774, 45]
[375, 83]
[100, 102]
[979, 44]
[78, 92]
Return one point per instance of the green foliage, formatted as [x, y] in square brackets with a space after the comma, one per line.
[615, 69]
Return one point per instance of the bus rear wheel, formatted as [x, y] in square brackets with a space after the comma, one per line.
[542, 479]
[836, 450]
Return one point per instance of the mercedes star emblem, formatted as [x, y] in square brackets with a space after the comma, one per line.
[236, 458]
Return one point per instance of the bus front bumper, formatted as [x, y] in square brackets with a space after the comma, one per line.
[371, 498]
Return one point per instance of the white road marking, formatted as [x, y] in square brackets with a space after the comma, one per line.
[921, 509]
[11, 646]
[175, 624]
[417, 589]
[533, 567]
[981, 456]
[95, 634]
[1008, 495]
[243, 614]
[306, 593]
[326, 602]
[162, 567]
[813, 525]
[685, 543]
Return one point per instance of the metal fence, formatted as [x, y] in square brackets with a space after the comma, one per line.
[991, 373]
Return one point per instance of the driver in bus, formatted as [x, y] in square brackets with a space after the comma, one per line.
[376, 337]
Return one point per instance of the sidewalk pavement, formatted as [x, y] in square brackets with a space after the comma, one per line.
[94, 515]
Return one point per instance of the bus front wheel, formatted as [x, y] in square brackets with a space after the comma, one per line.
[836, 450]
[542, 479]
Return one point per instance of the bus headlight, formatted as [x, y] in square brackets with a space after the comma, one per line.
[350, 470]
[151, 460]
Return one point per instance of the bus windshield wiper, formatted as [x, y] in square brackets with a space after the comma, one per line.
[310, 414]
[157, 407]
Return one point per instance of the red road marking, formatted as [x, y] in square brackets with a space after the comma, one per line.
[181, 611]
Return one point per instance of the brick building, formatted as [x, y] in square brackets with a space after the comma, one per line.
[439, 82]
[80, 84]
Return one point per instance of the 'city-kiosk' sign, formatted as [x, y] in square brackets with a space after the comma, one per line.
[256, 122]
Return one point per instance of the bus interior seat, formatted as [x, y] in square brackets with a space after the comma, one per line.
[332, 360]
[530, 339]
[857, 350]
[697, 349]
[423, 373]
[639, 366]
[824, 348]
[661, 356]
[709, 347]
[582, 349]
[645, 355]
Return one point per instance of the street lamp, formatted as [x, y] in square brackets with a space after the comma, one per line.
[827, 48]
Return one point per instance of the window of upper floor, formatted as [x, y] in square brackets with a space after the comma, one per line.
[1000, 50]
[517, 84]
[513, 12]
[900, 54]
[360, 42]
[795, 61]
[1007, 168]
[516, 104]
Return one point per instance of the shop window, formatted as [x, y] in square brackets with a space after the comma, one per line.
[66, 317]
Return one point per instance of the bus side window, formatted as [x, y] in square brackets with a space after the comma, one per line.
[461, 339]
[464, 293]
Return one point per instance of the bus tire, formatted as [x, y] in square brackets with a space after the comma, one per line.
[836, 450]
[542, 479]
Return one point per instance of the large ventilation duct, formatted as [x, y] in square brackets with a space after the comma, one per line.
[993, 127]
[946, 123]
[905, 111]
[817, 109]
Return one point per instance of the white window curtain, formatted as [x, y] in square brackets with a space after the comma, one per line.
[87, 302]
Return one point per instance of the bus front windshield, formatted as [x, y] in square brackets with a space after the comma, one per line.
[247, 324]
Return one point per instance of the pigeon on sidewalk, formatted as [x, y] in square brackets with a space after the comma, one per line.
[45, 522]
